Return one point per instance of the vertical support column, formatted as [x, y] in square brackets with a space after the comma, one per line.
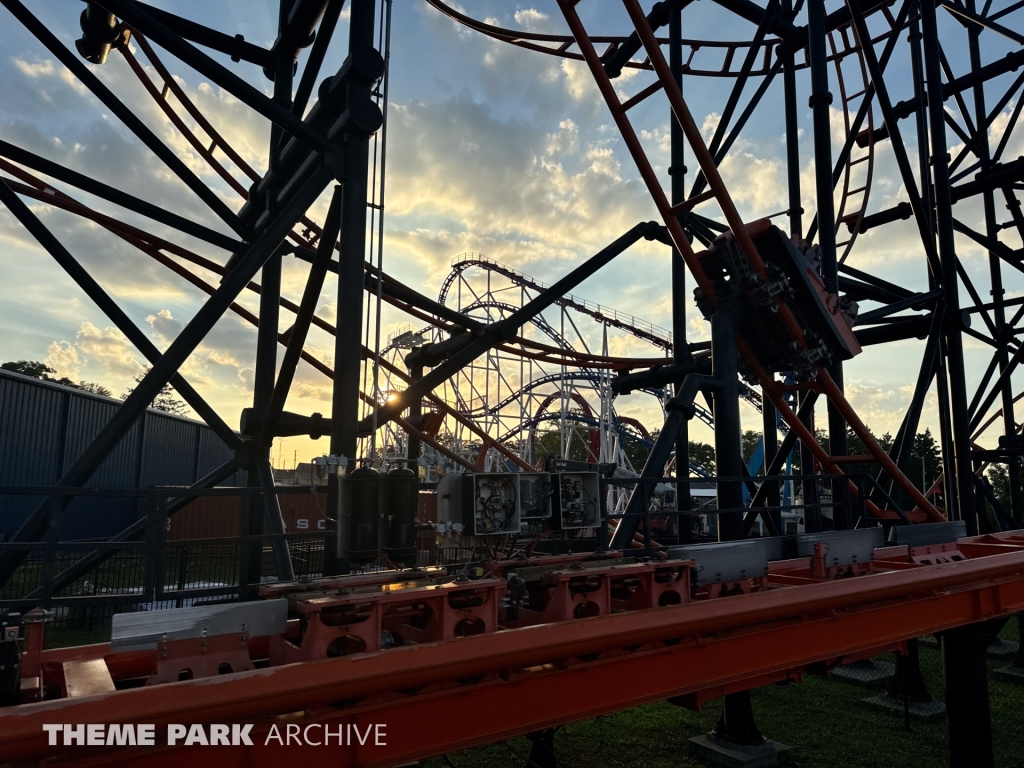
[770, 436]
[811, 510]
[967, 706]
[1005, 333]
[819, 103]
[542, 749]
[737, 723]
[265, 509]
[934, 280]
[415, 411]
[681, 352]
[263, 389]
[769, 418]
[965, 491]
[348, 348]
[728, 443]
[792, 132]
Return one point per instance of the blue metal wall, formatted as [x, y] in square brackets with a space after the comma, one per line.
[45, 427]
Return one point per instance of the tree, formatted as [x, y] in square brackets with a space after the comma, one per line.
[751, 440]
[999, 476]
[32, 368]
[96, 389]
[164, 401]
[636, 451]
[42, 371]
[549, 443]
[703, 455]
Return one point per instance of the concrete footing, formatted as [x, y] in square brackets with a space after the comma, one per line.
[716, 751]
[866, 672]
[924, 710]
[1009, 674]
[1002, 649]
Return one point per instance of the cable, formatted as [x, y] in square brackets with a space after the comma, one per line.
[386, 26]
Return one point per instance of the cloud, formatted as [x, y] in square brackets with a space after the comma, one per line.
[164, 325]
[35, 69]
[110, 348]
[63, 358]
[529, 17]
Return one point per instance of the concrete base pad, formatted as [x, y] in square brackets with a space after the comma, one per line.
[867, 672]
[1009, 674]
[1002, 649]
[925, 710]
[735, 756]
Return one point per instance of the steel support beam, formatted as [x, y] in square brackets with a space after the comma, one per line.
[125, 115]
[681, 351]
[167, 365]
[820, 102]
[348, 337]
[116, 196]
[1003, 332]
[110, 308]
[947, 255]
[219, 74]
[502, 331]
[967, 706]
[133, 532]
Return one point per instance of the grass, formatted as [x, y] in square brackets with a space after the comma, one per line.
[823, 720]
[63, 637]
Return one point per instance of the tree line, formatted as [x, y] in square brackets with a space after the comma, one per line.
[164, 401]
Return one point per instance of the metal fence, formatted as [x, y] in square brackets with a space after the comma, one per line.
[907, 693]
[209, 554]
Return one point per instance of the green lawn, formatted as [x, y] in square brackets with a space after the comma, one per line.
[823, 720]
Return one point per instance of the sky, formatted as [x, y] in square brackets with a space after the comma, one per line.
[491, 149]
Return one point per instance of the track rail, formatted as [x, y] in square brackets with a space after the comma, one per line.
[820, 381]
[444, 696]
[640, 328]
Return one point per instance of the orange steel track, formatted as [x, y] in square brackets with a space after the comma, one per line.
[445, 696]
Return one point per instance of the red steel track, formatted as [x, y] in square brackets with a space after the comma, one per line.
[448, 695]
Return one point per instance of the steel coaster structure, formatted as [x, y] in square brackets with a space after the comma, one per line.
[623, 629]
[508, 395]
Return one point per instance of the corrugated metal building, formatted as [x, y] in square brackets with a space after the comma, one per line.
[45, 427]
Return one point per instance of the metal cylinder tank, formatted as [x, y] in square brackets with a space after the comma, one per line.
[361, 499]
[399, 504]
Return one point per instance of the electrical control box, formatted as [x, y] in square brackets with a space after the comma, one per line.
[490, 503]
[449, 499]
[535, 493]
[578, 500]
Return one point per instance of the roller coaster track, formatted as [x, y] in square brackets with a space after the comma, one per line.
[152, 245]
[820, 380]
[720, 55]
[537, 320]
[590, 421]
[554, 378]
[640, 328]
[723, 54]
